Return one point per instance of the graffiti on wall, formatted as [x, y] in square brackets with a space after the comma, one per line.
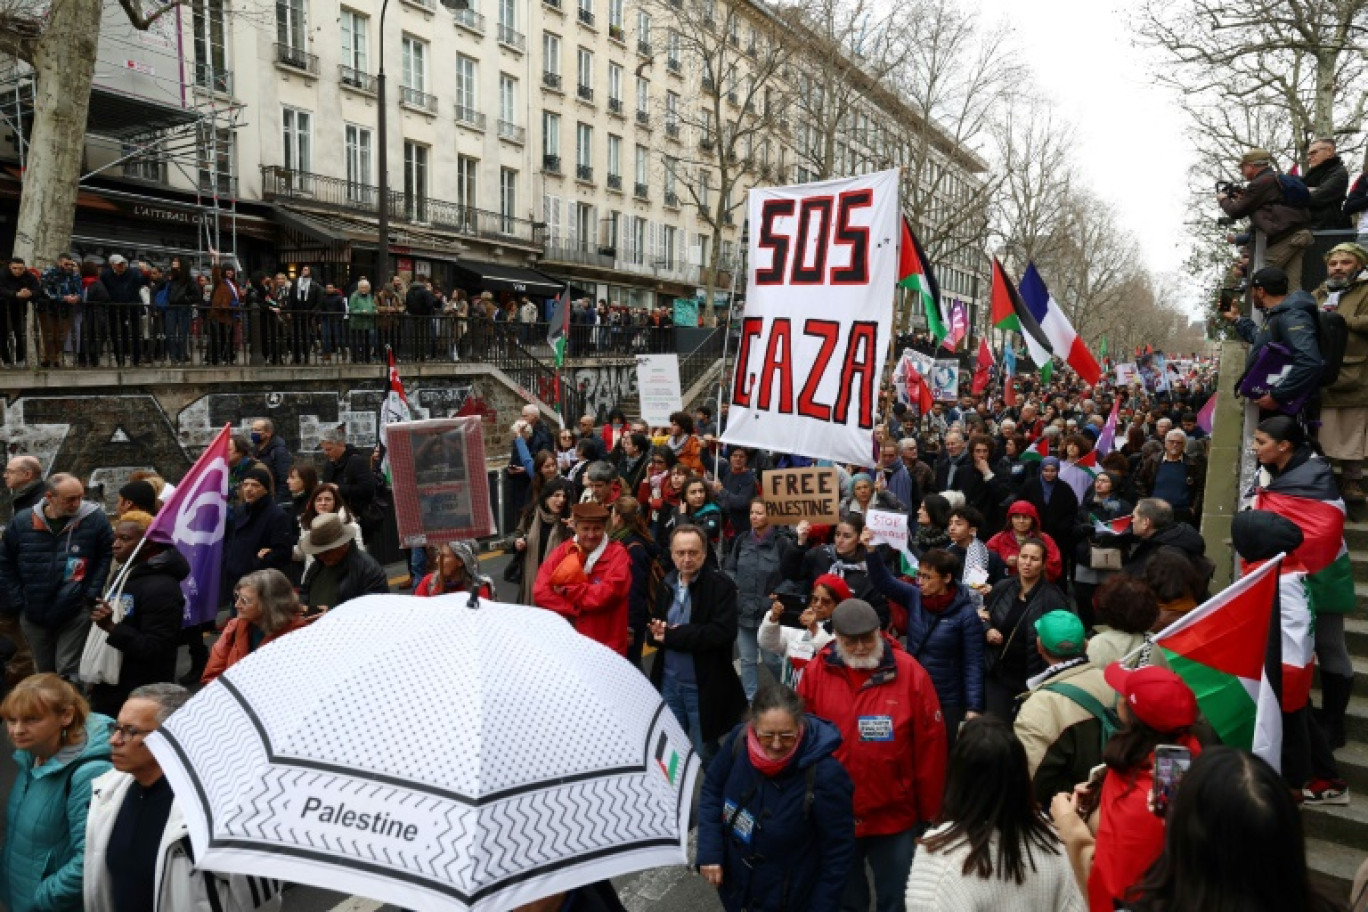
[105, 438]
[606, 388]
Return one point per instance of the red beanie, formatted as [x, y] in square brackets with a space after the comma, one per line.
[835, 584]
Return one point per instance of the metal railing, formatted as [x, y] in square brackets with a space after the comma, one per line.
[468, 18]
[643, 118]
[512, 38]
[615, 182]
[584, 172]
[512, 132]
[585, 93]
[641, 191]
[552, 81]
[296, 58]
[355, 79]
[644, 47]
[416, 98]
[282, 185]
[470, 117]
[551, 164]
[616, 33]
[672, 130]
[586, 17]
[213, 79]
[672, 64]
[697, 362]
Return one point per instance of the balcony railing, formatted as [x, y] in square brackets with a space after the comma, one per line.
[641, 191]
[586, 17]
[552, 81]
[733, 98]
[584, 172]
[355, 79]
[422, 101]
[553, 4]
[584, 92]
[672, 64]
[296, 59]
[708, 84]
[551, 164]
[616, 33]
[469, 19]
[470, 117]
[672, 130]
[706, 142]
[615, 182]
[322, 192]
[422, 4]
[215, 80]
[644, 47]
[643, 118]
[615, 106]
[511, 38]
[672, 200]
[512, 132]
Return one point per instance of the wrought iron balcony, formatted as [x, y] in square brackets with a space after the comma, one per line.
[551, 164]
[586, 17]
[317, 191]
[470, 117]
[615, 182]
[616, 33]
[672, 130]
[422, 101]
[641, 191]
[511, 38]
[644, 47]
[584, 172]
[552, 81]
[585, 93]
[296, 59]
[355, 79]
[512, 132]
[708, 84]
[643, 118]
[615, 106]
[213, 79]
[672, 64]
[469, 19]
[672, 200]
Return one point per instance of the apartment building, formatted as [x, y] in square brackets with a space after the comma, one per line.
[607, 144]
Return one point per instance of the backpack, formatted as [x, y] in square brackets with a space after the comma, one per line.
[1109, 720]
[1294, 191]
[1332, 335]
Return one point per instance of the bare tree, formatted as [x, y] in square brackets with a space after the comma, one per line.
[60, 45]
[737, 60]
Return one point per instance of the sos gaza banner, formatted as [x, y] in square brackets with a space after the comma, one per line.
[823, 263]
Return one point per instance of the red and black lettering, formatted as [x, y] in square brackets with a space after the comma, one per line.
[829, 331]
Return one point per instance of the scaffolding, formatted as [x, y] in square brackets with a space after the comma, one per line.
[142, 142]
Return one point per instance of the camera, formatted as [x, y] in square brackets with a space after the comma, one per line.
[1229, 188]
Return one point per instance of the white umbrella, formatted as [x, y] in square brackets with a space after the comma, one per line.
[434, 755]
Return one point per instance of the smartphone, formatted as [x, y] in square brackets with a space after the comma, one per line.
[1170, 763]
[794, 606]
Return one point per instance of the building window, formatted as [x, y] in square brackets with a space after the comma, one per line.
[508, 98]
[638, 241]
[581, 226]
[508, 14]
[643, 159]
[415, 181]
[465, 83]
[551, 140]
[357, 147]
[414, 64]
[354, 40]
[297, 134]
[614, 159]
[668, 242]
[585, 70]
[671, 178]
[466, 170]
[215, 148]
[671, 111]
[704, 178]
[643, 26]
[615, 15]
[508, 197]
[211, 63]
[551, 47]
[584, 146]
[615, 86]
[672, 50]
[290, 28]
[643, 92]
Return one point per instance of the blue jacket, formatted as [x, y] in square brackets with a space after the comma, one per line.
[50, 577]
[1293, 325]
[797, 858]
[948, 644]
[45, 824]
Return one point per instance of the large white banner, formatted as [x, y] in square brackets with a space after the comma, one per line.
[823, 265]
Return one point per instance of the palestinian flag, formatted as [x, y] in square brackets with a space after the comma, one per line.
[1038, 451]
[1229, 651]
[1311, 500]
[1080, 475]
[914, 274]
[667, 757]
[1010, 313]
[1119, 526]
[1298, 634]
[395, 407]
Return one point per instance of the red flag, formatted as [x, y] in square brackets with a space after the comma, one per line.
[984, 366]
[918, 392]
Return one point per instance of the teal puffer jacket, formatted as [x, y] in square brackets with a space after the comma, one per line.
[44, 855]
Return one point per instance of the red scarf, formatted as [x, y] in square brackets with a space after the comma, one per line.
[761, 761]
[938, 603]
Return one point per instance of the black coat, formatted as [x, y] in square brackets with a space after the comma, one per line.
[643, 553]
[276, 456]
[1044, 598]
[11, 285]
[1058, 516]
[149, 634]
[710, 637]
[1329, 184]
[361, 575]
[354, 479]
[305, 302]
[251, 527]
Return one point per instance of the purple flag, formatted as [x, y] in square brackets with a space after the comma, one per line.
[194, 520]
[1207, 413]
[1106, 439]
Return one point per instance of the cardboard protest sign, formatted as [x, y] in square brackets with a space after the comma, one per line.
[441, 487]
[794, 495]
[888, 528]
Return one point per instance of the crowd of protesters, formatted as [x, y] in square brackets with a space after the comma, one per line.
[970, 725]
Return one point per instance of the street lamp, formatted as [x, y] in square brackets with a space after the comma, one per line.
[382, 255]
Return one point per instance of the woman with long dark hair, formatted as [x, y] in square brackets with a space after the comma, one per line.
[545, 523]
[993, 847]
[1234, 843]
[628, 527]
[1011, 610]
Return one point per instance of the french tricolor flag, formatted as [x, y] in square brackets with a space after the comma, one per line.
[1064, 342]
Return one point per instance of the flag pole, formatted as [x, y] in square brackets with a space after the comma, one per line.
[384, 395]
[722, 375]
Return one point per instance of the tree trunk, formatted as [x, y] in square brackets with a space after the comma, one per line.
[64, 69]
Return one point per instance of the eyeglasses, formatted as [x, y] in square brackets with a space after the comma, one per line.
[928, 576]
[781, 737]
[128, 732]
[241, 598]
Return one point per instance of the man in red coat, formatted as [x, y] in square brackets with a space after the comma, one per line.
[892, 744]
[586, 580]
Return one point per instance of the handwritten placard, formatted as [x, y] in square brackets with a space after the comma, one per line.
[796, 495]
[888, 528]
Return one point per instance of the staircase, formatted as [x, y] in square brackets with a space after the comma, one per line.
[1337, 837]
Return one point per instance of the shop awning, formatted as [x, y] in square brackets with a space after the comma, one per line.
[502, 277]
[363, 233]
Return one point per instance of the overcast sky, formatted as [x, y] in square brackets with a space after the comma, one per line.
[1130, 142]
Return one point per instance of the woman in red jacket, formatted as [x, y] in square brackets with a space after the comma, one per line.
[1113, 848]
[1023, 522]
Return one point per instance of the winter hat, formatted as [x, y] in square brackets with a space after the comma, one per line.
[859, 477]
[261, 475]
[1256, 156]
[1354, 250]
[833, 582]
[854, 617]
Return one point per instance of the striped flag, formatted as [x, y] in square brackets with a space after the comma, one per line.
[394, 408]
[1319, 513]
[1038, 451]
[1118, 526]
[1010, 313]
[914, 274]
[1206, 417]
[1107, 439]
[1229, 651]
[1079, 475]
[1009, 395]
[557, 334]
[1058, 331]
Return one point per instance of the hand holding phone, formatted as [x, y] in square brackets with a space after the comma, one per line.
[1170, 763]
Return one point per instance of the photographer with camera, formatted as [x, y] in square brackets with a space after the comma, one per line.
[1290, 322]
[1282, 216]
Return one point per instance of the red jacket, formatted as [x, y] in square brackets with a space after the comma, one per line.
[1130, 837]
[1005, 545]
[597, 608]
[892, 736]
